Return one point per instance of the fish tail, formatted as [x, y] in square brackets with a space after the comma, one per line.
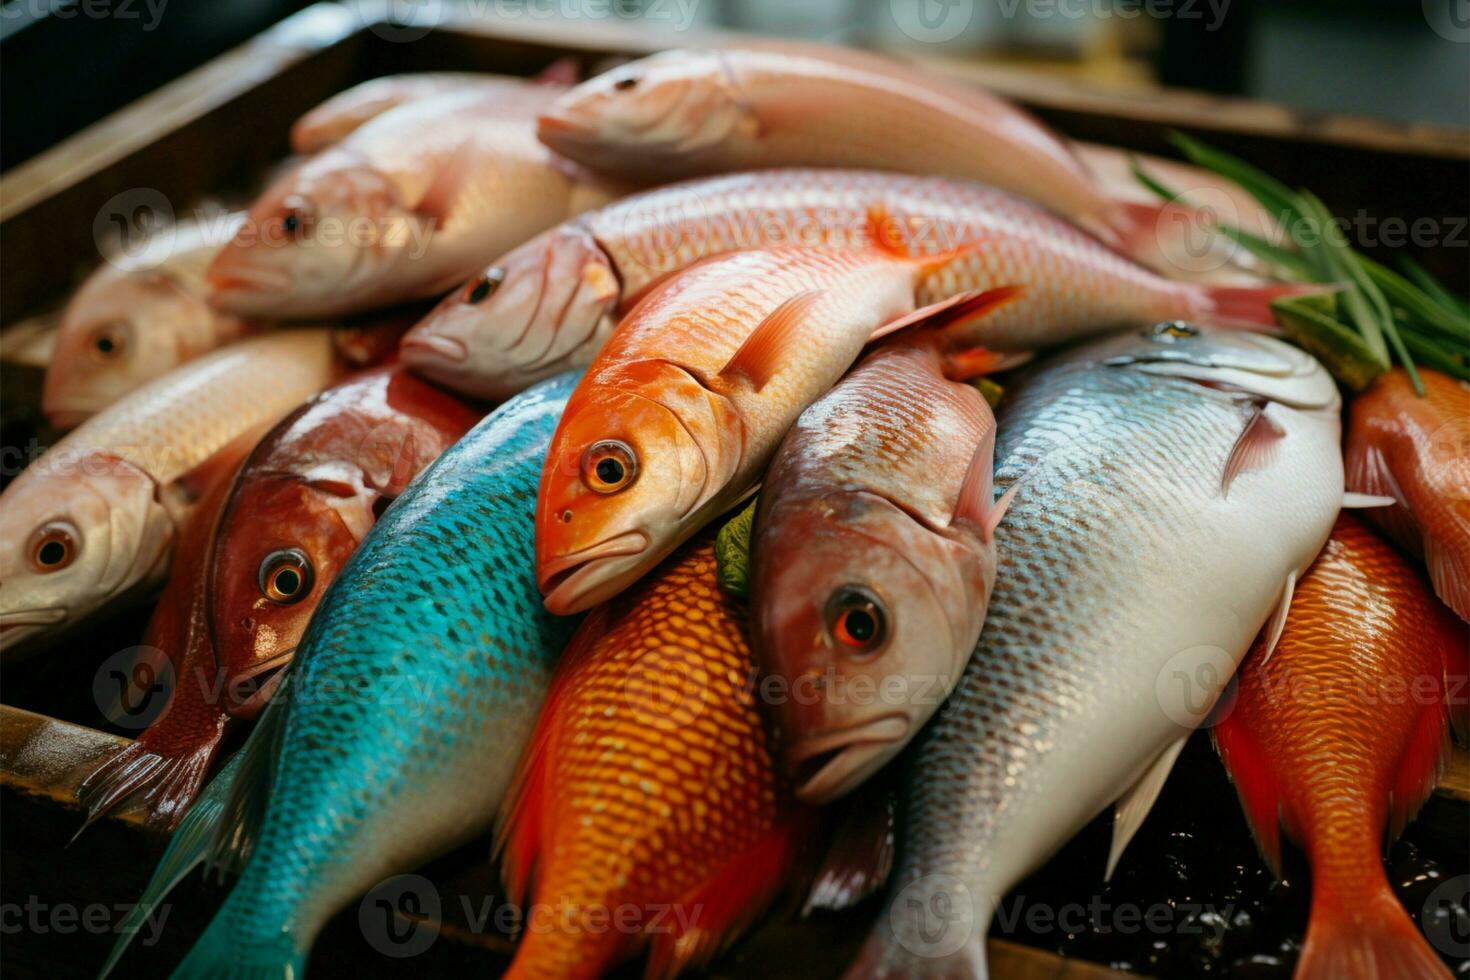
[1249, 307]
[160, 773]
[1357, 936]
[223, 954]
[883, 958]
[187, 848]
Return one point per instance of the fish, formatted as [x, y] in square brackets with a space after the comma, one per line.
[347, 111]
[232, 615]
[1170, 487]
[141, 314]
[684, 113]
[1417, 451]
[1338, 734]
[404, 207]
[92, 521]
[552, 303]
[872, 562]
[413, 693]
[683, 407]
[649, 788]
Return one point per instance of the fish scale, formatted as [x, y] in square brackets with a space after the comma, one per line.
[651, 780]
[1100, 595]
[437, 622]
[1339, 734]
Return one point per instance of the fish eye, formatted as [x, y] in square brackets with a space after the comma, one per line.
[625, 83]
[485, 285]
[108, 340]
[285, 576]
[609, 466]
[53, 547]
[1173, 330]
[296, 216]
[856, 619]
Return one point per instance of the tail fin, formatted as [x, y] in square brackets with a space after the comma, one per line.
[1362, 937]
[1249, 307]
[165, 781]
[882, 958]
[218, 955]
[187, 848]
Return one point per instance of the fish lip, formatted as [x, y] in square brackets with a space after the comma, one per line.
[436, 347]
[559, 126]
[222, 282]
[252, 706]
[39, 616]
[561, 579]
[827, 783]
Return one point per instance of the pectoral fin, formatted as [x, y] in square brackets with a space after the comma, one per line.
[958, 311]
[1254, 449]
[1358, 501]
[1133, 806]
[1278, 618]
[769, 345]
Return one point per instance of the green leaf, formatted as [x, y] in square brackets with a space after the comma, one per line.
[1149, 180]
[1284, 259]
[1341, 350]
[1431, 354]
[732, 553]
[1433, 288]
[992, 392]
[1274, 196]
[1417, 303]
[1368, 316]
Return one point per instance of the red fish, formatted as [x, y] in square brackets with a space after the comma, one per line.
[1339, 734]
[1417, 451]
[236, 607]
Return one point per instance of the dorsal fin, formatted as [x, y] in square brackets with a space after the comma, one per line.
[767, 347]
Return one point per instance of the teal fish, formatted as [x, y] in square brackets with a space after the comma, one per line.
[415, 687]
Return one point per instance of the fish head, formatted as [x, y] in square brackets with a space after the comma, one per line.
[120, 331]
[867, 618]
[634, 455]
[1230, 360]
[543, 307]
[75, 531]
[280, 543]
[671, 103]
[321, 234]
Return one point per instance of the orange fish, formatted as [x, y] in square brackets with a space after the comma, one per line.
[679, 413]
[1417, 451]
[648, 805]
[1340, 733]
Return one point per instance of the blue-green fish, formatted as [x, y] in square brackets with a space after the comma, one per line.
[415, 688]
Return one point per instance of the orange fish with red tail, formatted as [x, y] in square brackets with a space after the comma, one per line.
[1340, 733]
[1417, 451]
[648, 799]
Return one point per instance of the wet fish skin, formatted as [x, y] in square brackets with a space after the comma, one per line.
[868, 511]
[1340, 732]
[404, 207]
[650, 788]
[682, 113]
[138, 316]
[415, 756]
[693, 392]
[254, 565]
[552, 303]
[1129, 586]
[117, 488]
[1417, 450]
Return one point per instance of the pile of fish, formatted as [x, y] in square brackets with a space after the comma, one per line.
[741, 535]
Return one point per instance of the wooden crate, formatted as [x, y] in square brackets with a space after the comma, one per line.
[216, 131]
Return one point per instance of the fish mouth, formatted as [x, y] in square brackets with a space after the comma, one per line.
[571, 583]
[22, 624]
[559, 127]
[243, 280]
[266, 678]
[826, 765]
[436, 348]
